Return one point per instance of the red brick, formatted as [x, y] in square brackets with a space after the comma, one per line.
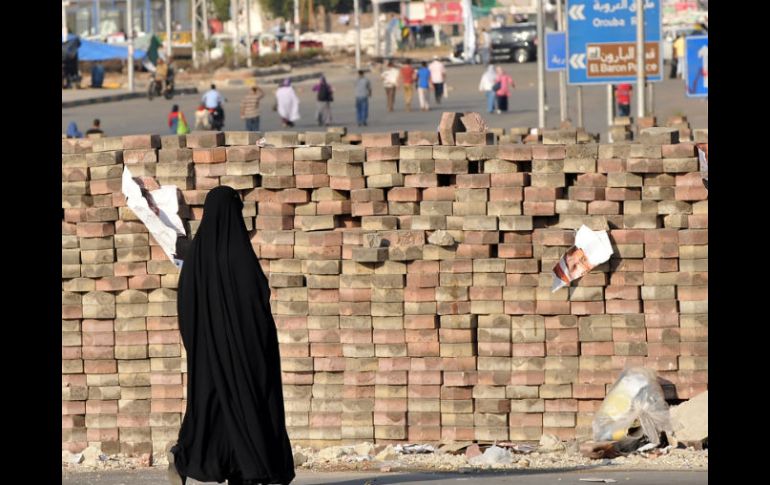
[95, 229]
[144, 282]
[275, 154]
[539, 208]
[112, 283]
[679, 150]
[618, 292]
[515, 152]
[506, 194]
[586, 193]
[382, 153]
[209, 155]
[596, 348]
[529, 349]
[603, 207]
[421, 180]
[587, 307]
[379, 140]
[102, 366]
[516, 179]
[661, 306]
[473, 181]
[311, 181]
[406, 194]
[130, 268]
[652, 320]
[621, 193]
[623, 306]
[548, 152]
[607, 165]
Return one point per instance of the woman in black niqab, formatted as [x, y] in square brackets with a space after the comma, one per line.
[234, 426]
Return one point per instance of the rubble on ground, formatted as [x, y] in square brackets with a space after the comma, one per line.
[550, 453]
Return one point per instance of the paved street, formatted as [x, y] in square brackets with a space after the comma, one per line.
[525, 477]
[141, 116]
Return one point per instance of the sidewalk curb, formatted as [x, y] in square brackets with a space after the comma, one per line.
[120, 97]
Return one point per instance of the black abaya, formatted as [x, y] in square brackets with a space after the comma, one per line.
[234, 425]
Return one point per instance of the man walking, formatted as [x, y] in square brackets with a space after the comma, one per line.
[250, 108]
[390, 82]
[423, 85]
[408, 76]
[437, 78]
[623, 97]
[485, 46]
[363, 92]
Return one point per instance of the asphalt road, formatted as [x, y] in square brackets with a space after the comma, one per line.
[141, 116]
[529, 477]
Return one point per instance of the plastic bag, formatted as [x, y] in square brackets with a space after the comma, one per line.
[635, 397]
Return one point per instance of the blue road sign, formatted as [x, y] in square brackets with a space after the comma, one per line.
[555, 51]
[696, 64]
[601, 41]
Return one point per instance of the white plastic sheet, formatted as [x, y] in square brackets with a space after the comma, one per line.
[158, 210]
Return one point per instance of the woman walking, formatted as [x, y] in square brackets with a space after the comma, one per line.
[287, 103]
[234, 425]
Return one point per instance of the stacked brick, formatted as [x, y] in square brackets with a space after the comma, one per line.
[410, 283]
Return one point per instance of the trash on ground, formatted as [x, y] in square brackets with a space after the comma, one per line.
[599, 480]
[414, 449]
[494, 455]
[636, 397]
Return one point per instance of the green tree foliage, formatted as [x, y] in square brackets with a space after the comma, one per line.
[222, 9]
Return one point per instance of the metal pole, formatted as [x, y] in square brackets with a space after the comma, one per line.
[168, 29]
[248, 32]
[610, 106]
[580, 106]
[296, 25]
[540, 68]
[130, 34]
[64, 21]
[357, 25]
[205, 27]
[237, 41]
[97, 16]
[640, 59]
[194, 10]
[148, 16]
[563, 107]
[376, 13]
[650, 99]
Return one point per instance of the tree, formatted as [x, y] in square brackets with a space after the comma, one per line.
[222, 9]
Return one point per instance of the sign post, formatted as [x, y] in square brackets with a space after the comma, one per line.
[601, 41]
[696, 65]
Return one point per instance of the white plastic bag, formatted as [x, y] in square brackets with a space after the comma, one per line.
[636, 395]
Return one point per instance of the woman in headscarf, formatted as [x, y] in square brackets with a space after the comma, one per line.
[287, 103]
[486, 86]
[505, 83]
[234, 425]
[72, 131]
[325, 97]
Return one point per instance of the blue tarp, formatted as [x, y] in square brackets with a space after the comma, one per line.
[99, 51]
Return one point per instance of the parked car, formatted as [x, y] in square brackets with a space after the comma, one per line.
[516, 43]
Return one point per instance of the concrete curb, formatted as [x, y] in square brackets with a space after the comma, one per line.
[237, 83]
[120, 97]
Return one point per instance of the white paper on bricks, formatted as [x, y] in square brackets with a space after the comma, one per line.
[158, 210]
[591, 249]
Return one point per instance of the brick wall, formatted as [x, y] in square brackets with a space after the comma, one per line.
[415, 340]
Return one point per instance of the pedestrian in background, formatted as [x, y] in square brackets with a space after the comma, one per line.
[325, 96]
[487, 86]
[423, 85]
[72, 131]
[95, 128]
[437, 78]
[503, 91]
[287, 103]
[623, 97]
[363, 91]
[250, 108]
[390, 81]
[678, 54]
[485, 46]
[97, 75]
[408, 77]
[202, 118]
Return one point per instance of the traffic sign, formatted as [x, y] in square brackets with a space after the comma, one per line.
[696, 65]
[555, 51]
[601, 41]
